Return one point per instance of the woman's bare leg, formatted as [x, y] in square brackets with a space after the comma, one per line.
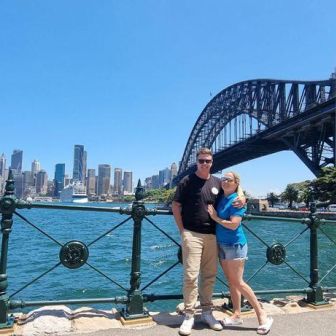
[234, 270]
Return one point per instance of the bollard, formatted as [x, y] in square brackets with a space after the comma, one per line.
[7, 208]
[135, 306]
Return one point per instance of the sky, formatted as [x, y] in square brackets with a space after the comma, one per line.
[128, 79]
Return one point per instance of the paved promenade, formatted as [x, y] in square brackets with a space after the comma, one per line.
[317, 323]
[292, 317]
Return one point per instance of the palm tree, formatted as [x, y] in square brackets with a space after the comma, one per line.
[272, 198]
[290, 194]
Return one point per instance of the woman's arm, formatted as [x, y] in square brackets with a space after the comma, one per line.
[231, 224]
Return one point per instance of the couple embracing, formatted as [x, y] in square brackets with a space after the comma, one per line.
[208, 213]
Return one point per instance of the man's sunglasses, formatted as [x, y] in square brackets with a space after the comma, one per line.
[202, 161]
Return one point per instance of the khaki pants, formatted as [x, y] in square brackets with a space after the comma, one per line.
[199, 259]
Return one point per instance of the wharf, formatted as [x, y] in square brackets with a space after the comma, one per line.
[292, 317]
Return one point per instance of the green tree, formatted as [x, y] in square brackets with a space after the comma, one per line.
[272, 198]
[325, 185]
[290, 194]
[304, 191]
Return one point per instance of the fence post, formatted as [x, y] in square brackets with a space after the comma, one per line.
[315, 297]
[135, 306]
[7, 208]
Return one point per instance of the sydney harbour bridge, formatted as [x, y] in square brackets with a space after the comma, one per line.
[254, 118]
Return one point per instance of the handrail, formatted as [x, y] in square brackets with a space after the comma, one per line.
[74, 254]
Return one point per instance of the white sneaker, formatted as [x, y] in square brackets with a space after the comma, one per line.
[210, 320]
[186, 326]
[228, 321]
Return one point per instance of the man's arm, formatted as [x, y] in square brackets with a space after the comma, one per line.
[177, 209]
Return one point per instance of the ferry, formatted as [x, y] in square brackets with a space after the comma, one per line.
[75, 193]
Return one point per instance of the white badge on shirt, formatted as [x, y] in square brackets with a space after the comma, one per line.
[214, 190]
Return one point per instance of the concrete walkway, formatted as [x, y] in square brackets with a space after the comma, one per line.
[292, 317]
[315, 323]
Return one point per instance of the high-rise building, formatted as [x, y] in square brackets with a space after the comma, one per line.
[104, 178]
[84, 166]
[91, 182]
[35, 167]
[59, 178]
[19, 186]
[42, 182]
[2, 165]
[148, 182]
[28, 179]
[164, 177]
[16, 160]
[79, 164]
[155, 182]
[127, 182]
[28, 183]
[117, 181]
[173, 172]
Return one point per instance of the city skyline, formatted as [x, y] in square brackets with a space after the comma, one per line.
[129, 83]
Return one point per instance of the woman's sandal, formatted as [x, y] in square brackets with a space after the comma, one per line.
[265, 328]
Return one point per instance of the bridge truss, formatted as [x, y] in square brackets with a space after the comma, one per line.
[258, 117]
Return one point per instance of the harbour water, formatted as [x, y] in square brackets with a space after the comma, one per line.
[31, 253]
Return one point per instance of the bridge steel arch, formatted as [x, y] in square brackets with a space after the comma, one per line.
[287, 115]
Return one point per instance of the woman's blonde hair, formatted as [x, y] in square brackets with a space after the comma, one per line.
[236, 177]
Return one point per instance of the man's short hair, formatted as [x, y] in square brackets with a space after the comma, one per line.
[204, 150]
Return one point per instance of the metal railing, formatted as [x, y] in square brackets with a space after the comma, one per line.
[74, 254]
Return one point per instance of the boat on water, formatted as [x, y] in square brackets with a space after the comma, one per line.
[74, 193]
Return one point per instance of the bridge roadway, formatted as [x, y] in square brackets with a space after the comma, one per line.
[321, 323]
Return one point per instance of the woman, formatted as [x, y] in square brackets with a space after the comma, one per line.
[232, 251]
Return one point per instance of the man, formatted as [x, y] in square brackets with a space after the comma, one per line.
[199, 247]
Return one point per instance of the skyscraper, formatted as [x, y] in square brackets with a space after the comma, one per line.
[173, 172]
[91, 182]
[19, 186]
[16, 160]
[35, 167]
[127, 182]
[164, 177]
[79, 164]
[117, 181]
[59, 178]
[2, 165]
[42, 182]
[104, 177]
[84, 166]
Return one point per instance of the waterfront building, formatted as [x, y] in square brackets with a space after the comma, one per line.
[155, 182]
[2, 185]
[104, 178]
[35, 167]
[42, 182]
[84, 167]
[91, 182]
[79, 164]
[59, 178]
[16, 160]
[19, 186]
[67, 180]
[128, 182]
[148, 183]
[173, 172]
[2, 165]
[117, 181]
[28, 181]
[164, 177]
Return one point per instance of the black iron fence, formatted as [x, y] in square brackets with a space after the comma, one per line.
[74, 254]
